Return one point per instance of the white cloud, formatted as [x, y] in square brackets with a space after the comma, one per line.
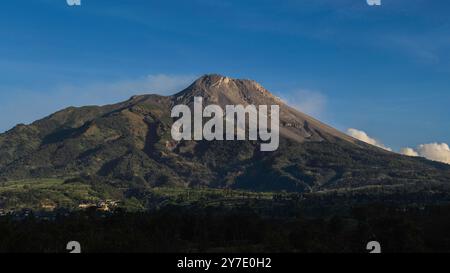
[408, 151]
[361, 135]
[309, 102]
[433, 151]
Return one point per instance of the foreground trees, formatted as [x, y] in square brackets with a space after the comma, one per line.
[191, 229]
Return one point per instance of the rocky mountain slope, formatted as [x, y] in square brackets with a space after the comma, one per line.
[130, 142]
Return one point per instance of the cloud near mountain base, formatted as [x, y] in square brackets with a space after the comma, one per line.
[433, 151]
[409, 152]
[361, 135]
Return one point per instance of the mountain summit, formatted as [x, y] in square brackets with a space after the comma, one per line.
[130, 142]
[221, 90]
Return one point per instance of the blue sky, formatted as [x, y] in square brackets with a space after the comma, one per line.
[384, 70]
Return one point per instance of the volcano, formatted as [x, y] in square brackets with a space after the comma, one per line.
[130, 142]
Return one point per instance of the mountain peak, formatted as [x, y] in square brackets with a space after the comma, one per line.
[215, 80]
[235, 90]
[212, 80]
[211, 77]
[221, 90]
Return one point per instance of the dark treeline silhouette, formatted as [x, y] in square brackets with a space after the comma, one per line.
[220, 229]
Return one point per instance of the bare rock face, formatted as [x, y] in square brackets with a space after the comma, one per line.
[129, 140]
[216, 89]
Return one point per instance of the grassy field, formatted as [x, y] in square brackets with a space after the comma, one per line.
[198, 193]
[207, 196]
[53, 192]
[37, 193]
